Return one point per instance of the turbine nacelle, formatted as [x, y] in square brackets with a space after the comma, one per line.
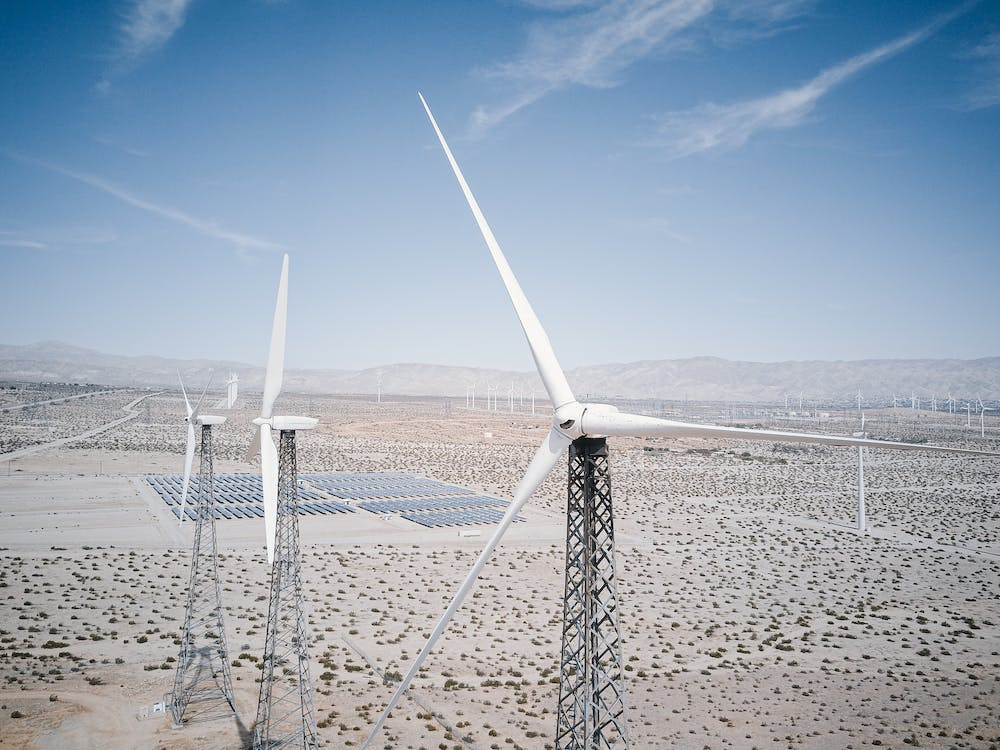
[209, 419]
[287, 423]
[572, 419]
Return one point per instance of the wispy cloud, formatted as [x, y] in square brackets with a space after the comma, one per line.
[54, 238]
[203, 226]
[986, 92]
[750, 20]
[10, 239]
[144, 27]
[587, 49]
[592, 44]
[721, 127]
[147, 25]
[110, 142]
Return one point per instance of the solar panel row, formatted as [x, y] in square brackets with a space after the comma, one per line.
[431, 503]
[386, 480]
[221, 512]
[458, 517]
[370, 493]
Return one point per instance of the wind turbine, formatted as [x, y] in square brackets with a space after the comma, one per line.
[861, 478]
[232, 386]
[982, 418]
[191, 418]
[203, 686]
[262, 442]
[591, 709]
[286, 714]
[859, 398]
[229, 400]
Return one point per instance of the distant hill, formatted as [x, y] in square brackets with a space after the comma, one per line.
[696, 379]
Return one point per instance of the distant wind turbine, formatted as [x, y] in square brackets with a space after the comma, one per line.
[262, 442]
[861, 477]
[192, 418]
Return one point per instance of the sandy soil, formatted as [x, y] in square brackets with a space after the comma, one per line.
[753, 614]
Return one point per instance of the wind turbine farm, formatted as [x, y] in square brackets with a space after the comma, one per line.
[733, 559]
[752, 503]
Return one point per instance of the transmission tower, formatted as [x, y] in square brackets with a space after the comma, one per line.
[286, 716]
[591, 714]
[203, 687]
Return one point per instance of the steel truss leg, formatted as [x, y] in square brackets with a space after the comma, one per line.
[203, 686]
[286, 716]
[591, 712]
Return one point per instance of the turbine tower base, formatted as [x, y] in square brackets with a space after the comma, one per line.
[203, 686]
[591, 713]
[286, 715]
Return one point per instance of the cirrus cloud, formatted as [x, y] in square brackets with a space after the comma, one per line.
[726, 127]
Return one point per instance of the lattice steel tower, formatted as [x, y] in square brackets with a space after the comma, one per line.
[591, 714]
[286, 715]
[203, 687]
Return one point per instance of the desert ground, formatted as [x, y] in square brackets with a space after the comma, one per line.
[753, 613]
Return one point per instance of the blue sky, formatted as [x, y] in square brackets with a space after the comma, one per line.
[763, 180]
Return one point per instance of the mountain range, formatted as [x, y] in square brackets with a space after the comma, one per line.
[696, 378]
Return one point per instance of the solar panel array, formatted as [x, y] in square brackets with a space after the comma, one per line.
[424, 501]
[240, 496]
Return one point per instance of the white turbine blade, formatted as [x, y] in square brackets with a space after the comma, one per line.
[635, 425]
[269, 480]
[197, 407]
[187, 404]
[276, 352]
[545, 359]
[254, 448]
[541, 464]
[188, 462]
